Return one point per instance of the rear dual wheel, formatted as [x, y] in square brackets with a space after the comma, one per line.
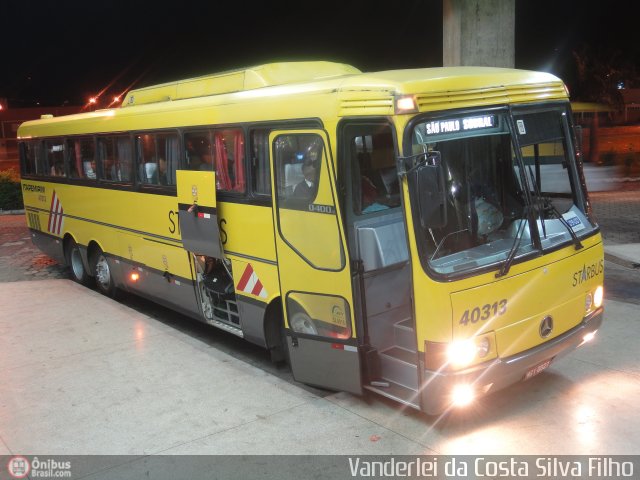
[79, 273]
[102, 274]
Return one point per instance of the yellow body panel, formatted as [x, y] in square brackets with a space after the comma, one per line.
[547, 287]
[266, 274]
[247, 230]
[196, 188]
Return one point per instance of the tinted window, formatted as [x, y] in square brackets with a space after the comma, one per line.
[82, 158]
[158, 157]
[31, 154]
[54, 149]
[115, 158]
[260, 162]
[219, 150]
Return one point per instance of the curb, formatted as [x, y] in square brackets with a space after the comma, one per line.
[621, 261]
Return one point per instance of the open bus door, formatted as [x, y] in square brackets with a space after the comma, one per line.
[315, 282]
[197, 214]
[200, 232]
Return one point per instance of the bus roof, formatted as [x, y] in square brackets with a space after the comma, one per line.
[351, 91]
[251, 78]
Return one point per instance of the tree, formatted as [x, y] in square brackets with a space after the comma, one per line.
[601, 72]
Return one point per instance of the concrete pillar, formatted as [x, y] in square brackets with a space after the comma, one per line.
[478, 32]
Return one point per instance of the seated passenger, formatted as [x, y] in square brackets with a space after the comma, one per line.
[207, 163]
[306, 189]
[191, 155]
[370, 196]
[162, 172]
[89, 169]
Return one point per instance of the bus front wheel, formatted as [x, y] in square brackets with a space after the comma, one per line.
[102, 274]
[74, 259]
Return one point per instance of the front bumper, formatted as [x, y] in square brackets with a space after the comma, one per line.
[435, 393]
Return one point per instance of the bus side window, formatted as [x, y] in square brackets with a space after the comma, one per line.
[73, 158]
[229, 155]
[123, 170]
[374, 175]
[158, 156]
[299, 162]
[168, 158]
[218, 150]
[81, 157]
[54, 148]
[29, 155]
[115, 158]
[146, 153]
[197, 150]
[261, 173]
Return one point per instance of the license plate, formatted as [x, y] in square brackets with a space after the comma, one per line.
[537, 369]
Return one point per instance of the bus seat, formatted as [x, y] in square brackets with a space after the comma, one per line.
[88, 170]
[292, 176]
[150, 173]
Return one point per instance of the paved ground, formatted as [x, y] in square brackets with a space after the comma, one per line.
[82, 374]
[19, 259]
[618, 213]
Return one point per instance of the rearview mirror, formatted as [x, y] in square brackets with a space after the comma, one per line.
[429, 188]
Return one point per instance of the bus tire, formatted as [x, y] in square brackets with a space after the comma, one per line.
[102, 273]
[73, 256]
[275, 334]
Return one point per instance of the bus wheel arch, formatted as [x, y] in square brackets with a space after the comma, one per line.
[75, 260]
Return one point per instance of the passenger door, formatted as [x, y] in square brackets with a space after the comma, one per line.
[315, 281]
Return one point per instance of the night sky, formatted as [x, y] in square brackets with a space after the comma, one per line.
[62, 52]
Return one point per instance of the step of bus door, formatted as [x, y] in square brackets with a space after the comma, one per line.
[400, 366]
[405, 335]
[399, 377]
[396, 392]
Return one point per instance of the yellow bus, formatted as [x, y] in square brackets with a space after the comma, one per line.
[423, 234]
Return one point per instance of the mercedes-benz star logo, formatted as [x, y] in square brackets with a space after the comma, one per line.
[546, 326]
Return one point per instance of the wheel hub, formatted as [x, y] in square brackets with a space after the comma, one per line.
[102, 271]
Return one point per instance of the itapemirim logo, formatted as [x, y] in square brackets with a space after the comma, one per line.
[18, 467]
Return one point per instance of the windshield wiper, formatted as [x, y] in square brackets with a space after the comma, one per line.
[548, 204]
[539, 205]
[506, 265]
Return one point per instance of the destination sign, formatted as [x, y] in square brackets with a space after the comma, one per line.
[460, 124]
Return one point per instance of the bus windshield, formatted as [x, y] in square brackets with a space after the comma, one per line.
[506, 197]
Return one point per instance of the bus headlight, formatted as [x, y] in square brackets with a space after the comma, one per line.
[483, 347]
[461, 353]
[588, 302]
[462, 395]
[598, 296]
